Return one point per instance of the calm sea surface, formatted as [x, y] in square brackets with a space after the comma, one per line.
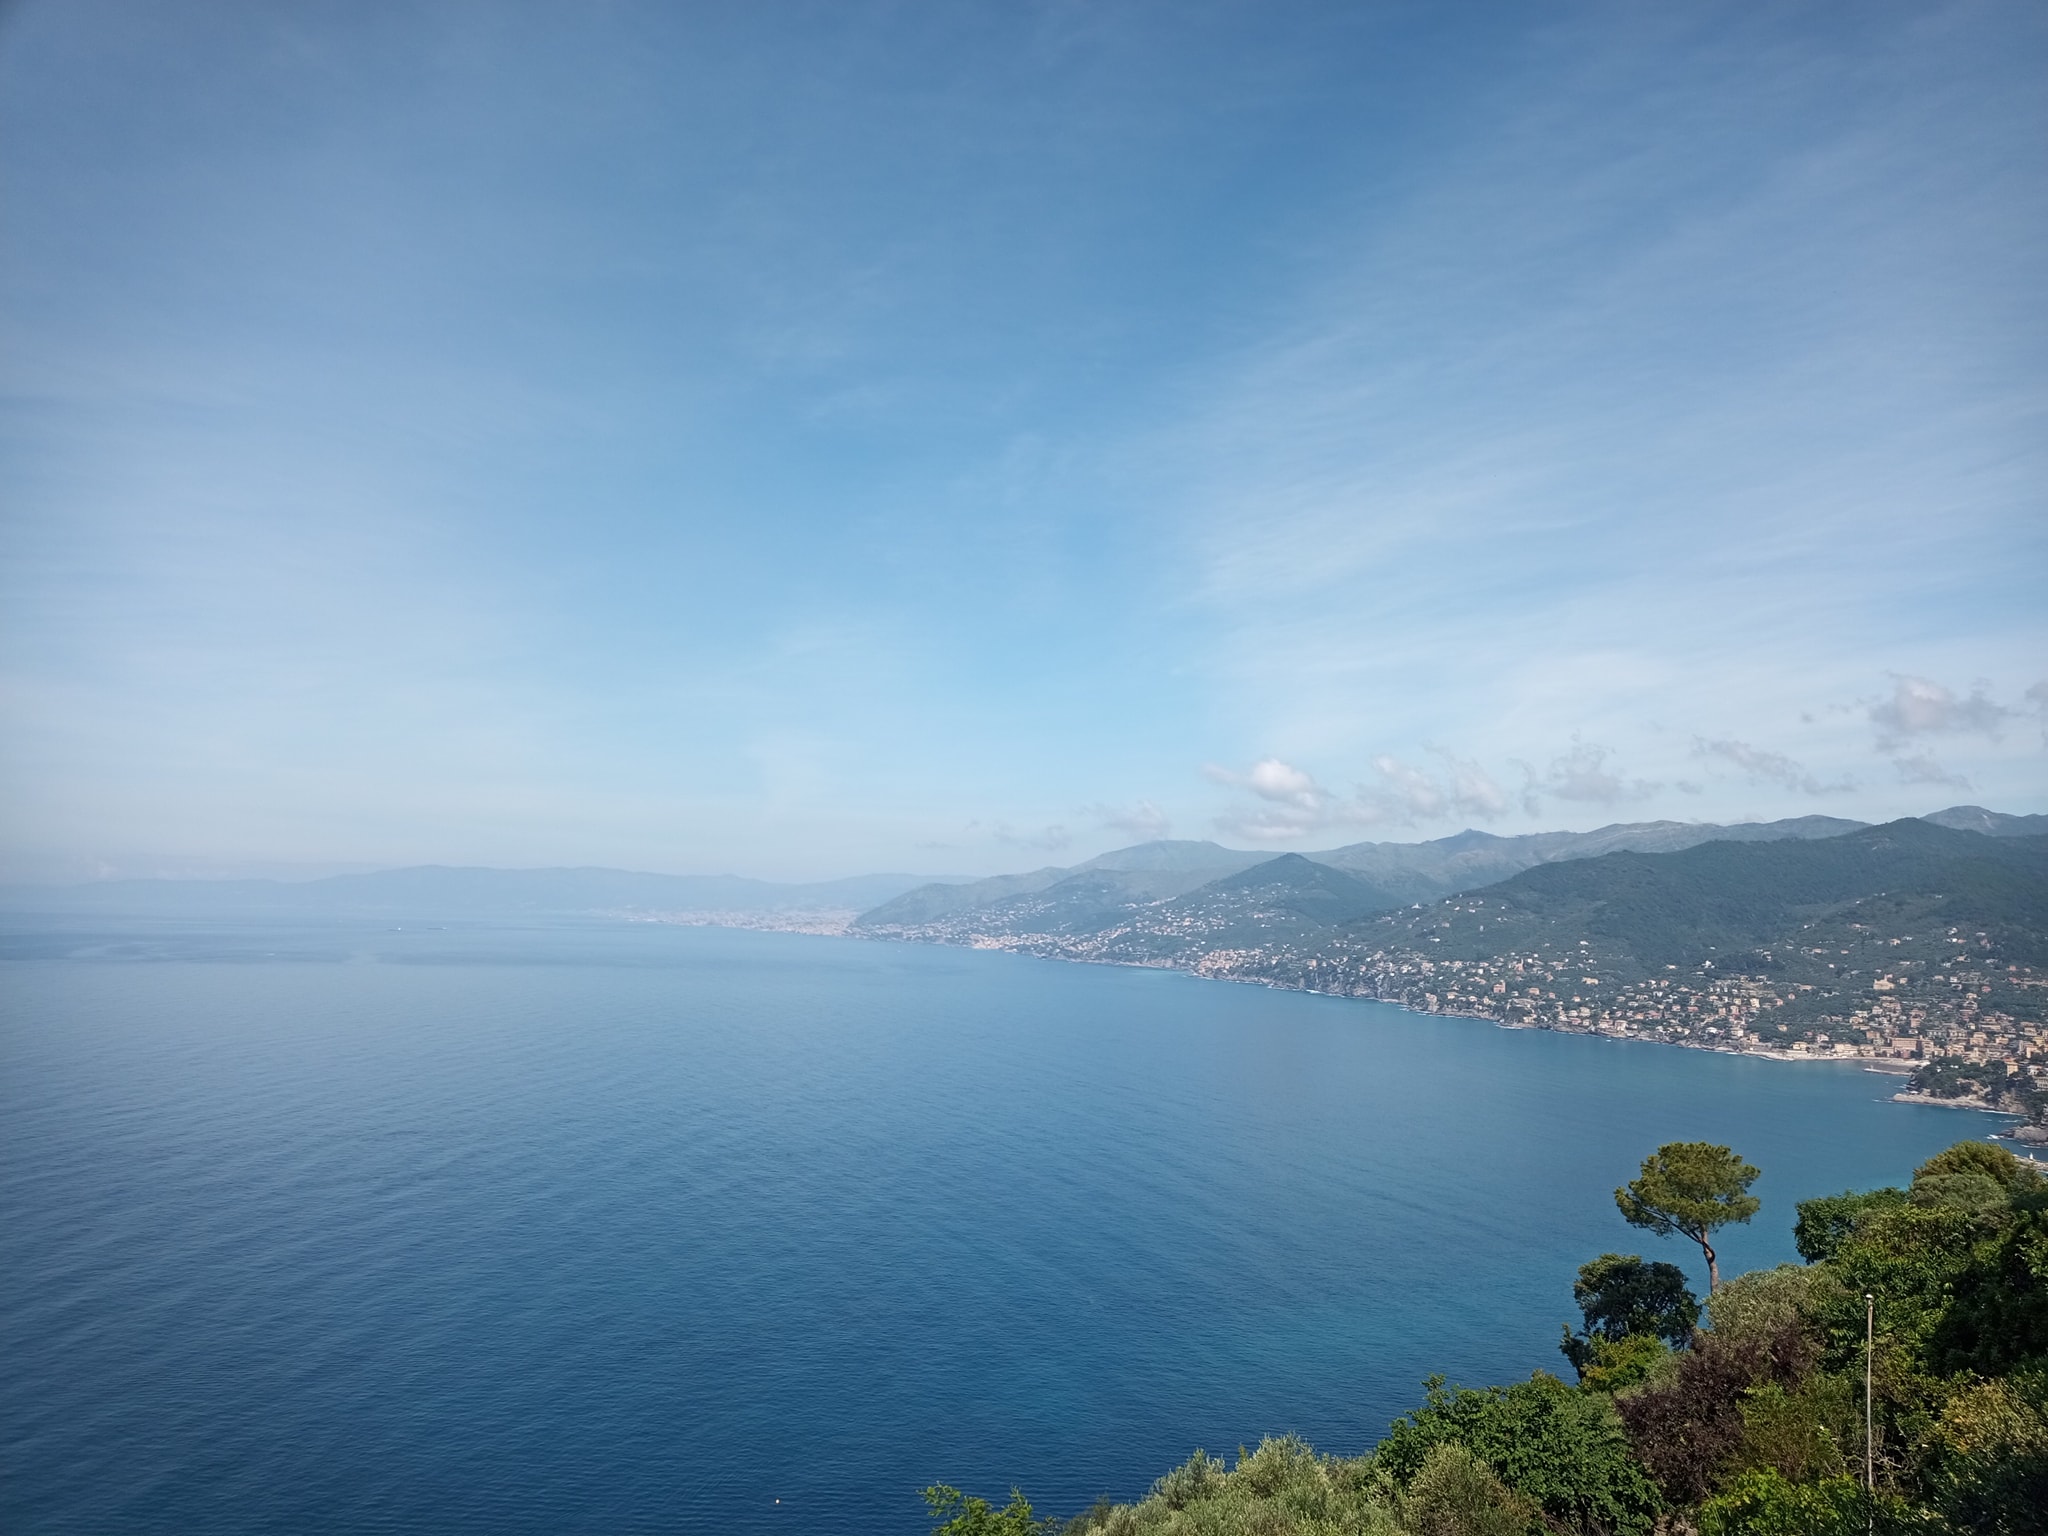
[647, 1229]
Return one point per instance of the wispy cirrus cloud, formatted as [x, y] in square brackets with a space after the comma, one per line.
[1582, 775]
[881, 502]
[1142, 821]
[1505, 573]
[1765, 767]
[1462, 788]
[1046, 839]
[1923, 768]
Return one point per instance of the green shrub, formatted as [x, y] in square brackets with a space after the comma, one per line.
[1456, 1494]
[1765, 1302]
[1766, 1504]
[1565, 1451]
[1612, 1365]
[1189, 1483]
[1283, 1488]
[1829, 1221]
[1989, 1468]
[956, 1514]
[1981, 1159]
[1806, 1433]
[1687, 1426]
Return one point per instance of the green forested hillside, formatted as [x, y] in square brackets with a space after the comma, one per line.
[1752, 1426]
[1682, 908]
[1110, 890]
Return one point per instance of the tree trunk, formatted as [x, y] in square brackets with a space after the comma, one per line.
[1713, 1269]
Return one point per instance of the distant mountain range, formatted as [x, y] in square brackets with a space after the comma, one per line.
[1164, 885]
[1094, 896]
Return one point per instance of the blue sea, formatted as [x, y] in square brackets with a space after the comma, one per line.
[649, 1229]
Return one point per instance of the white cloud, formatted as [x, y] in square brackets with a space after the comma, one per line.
[1270, 779]
[1407, 794]
[1918, 706]
[1765, 767]
[1402, 795]
[1295, 804]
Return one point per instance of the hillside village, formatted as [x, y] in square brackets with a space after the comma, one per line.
[1971, 1008]
[1906, 1010]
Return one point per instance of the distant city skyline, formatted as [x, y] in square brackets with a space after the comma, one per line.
[803, 441]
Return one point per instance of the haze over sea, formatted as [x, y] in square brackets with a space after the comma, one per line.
[641, 1228]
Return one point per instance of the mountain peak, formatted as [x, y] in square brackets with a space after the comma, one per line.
[1974, 818]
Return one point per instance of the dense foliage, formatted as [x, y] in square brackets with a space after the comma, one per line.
[1750, 1425]
[1635, 1312]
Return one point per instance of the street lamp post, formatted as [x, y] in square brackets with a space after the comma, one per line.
[1869, 1447]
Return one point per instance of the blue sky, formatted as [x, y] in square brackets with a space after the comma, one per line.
[803, 439]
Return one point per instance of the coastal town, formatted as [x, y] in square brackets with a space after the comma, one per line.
[1948, 1008]
[1973, 1013]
